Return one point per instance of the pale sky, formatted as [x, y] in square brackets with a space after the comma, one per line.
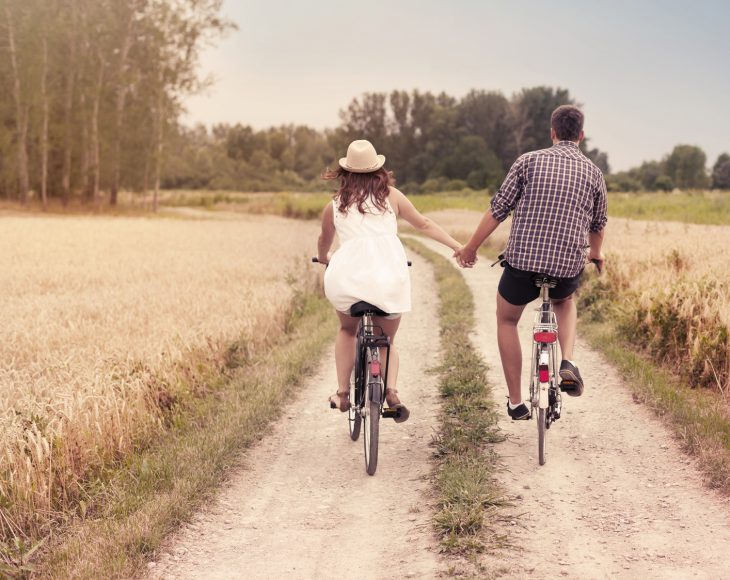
[649, 73]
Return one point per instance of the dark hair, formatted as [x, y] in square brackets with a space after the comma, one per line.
[567, 121]
[357, 188]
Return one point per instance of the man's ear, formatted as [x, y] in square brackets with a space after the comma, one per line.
[553, 135]
[581, 136]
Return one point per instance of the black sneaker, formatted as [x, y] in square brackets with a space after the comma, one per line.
[520, 413]
[571, 383]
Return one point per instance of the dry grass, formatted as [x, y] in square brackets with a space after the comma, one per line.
[107, 326]
[675, 283]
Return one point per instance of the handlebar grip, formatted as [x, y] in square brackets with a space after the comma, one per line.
[597, 264]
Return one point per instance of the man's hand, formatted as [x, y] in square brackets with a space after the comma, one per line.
[597, 256]
[466, 257]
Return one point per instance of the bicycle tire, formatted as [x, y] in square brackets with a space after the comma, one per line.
[355, 418]
[356, 394]
[371, 425]
[541, 435]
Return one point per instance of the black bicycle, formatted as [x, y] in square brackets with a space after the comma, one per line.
[369, 382]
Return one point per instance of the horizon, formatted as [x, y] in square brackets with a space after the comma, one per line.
[289, 71]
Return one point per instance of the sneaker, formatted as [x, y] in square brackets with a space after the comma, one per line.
[571, 383]
[520, 413]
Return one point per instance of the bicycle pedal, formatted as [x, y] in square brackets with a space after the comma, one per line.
[389, 413]
[567, 385]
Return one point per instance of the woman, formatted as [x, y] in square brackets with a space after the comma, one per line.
[370, 264]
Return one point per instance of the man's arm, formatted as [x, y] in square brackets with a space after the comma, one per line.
[467, 256]
[502, 204]
[598, 223]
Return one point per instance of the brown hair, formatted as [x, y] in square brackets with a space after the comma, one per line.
[357, 188]
[567, 121]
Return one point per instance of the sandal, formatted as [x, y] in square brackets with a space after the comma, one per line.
[340, 401]
[401, 411]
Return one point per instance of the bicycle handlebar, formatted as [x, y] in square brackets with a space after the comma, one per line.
[594, 261]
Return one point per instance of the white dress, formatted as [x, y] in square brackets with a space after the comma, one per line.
[370, 264]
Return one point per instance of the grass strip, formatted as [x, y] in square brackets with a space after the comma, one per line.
[698, 417]
[468, 497]
[163, 486]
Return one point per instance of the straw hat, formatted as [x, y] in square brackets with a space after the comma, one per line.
[362, 158]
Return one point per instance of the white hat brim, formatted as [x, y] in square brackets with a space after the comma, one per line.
[378, 165]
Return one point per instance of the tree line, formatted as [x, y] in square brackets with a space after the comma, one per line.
[434, 142]
[683, 168]
[91, 89]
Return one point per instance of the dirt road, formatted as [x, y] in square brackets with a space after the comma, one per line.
[302, 506]
[616, 498]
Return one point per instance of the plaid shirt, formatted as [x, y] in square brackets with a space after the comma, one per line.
[558, 195]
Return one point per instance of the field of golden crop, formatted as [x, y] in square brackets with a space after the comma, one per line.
[674, 284]
[108, 323]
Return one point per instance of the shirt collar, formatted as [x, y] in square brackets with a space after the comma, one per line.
[566, 143]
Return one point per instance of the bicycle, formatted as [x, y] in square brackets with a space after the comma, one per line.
[368, 382]
[545, 389]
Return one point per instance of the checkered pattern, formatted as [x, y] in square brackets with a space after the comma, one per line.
[558, 195]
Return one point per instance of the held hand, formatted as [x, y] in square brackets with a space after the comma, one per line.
[466, 257]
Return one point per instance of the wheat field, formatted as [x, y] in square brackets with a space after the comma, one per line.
[105, 321]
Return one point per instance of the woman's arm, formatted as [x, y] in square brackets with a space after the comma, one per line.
[327, 236]
[405, 209]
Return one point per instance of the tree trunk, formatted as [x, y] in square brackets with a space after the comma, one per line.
[85, 187]
[94, 146]
[158, 137]
[21, 113]
[44, 128]
[121, 97]
[68, 111]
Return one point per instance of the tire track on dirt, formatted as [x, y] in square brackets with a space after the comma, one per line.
[302, 506]
[617, 497]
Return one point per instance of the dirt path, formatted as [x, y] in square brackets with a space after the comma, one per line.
[617, 498]
[302, 506]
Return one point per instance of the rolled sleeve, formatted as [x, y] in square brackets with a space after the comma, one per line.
[509, 193]
[600, 206]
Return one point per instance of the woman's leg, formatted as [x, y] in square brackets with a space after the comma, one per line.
[345, 350]
[390, 327]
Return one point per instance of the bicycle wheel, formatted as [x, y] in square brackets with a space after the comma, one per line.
[541, 434]
[356, 395]
[371, 422]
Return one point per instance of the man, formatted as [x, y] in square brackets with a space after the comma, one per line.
[558, 197]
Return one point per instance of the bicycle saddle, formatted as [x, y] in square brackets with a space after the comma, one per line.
[360, 308]
[542, 280]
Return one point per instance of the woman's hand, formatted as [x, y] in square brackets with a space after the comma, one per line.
[466, 257]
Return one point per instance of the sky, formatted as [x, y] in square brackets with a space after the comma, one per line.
[649, 74]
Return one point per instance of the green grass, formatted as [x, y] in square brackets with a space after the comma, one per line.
[129, 514]
[468, 498]
[702, 207]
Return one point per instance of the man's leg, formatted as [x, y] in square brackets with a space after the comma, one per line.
[508, 315]
[567, 314]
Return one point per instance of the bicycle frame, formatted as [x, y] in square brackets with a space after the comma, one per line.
[370, 339]
[544, 389]
[545, 356]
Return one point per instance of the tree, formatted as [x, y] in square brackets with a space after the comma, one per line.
[721, 172]
[685, 165]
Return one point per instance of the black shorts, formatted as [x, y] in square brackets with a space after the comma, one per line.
[517, 286]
